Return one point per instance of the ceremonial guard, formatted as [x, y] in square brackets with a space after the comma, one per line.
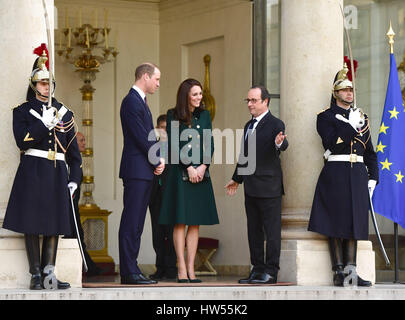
[341, 200]
[48, 173]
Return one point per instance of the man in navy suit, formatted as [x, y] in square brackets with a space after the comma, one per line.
[263, 185]
[137, 169]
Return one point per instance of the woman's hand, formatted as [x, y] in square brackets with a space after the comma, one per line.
[201, 171]
[192, 174]
[231, 188]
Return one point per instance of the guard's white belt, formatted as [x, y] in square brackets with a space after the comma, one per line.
[345, 157]
[50, 155]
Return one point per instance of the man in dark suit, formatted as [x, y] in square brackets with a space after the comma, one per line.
[162, 235]
[264, 138]
[137, 169]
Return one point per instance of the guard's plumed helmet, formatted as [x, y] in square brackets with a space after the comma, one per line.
[343, 79]
[40, 70]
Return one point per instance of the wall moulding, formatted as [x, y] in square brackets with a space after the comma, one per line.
[172, 10]
[118, 11]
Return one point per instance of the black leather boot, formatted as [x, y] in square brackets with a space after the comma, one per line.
[48, 260]
[32, 248]
[350, 258]
[336, 255]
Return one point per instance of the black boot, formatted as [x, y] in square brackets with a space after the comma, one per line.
[336, 255]
[32, 248]
[350, 258]
[48, 260]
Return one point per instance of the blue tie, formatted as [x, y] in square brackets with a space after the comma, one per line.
[147, 107]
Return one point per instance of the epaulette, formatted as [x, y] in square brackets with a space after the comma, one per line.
[18, 105]
[323, 110]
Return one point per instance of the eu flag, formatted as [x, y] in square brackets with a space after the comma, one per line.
[389, 194]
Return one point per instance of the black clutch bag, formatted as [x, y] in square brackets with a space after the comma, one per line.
[185, 176]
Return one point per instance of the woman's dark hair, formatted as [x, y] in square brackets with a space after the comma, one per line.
[181, 110]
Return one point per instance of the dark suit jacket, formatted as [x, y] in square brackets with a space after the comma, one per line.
[137, 124]
[267, 179]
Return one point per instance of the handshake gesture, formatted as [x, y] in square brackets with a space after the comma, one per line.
[356, 119]
[49, 117]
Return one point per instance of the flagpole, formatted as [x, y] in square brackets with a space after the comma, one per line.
[390, 35]
[396, 253]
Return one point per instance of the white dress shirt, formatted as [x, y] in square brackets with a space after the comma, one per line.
[141, 93]
[257, 122]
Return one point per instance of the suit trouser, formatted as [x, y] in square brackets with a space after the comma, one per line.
[264, 223]
[162, 236]
[136, 198]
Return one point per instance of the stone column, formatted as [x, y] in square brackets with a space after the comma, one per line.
[311, 54]
[23, 28]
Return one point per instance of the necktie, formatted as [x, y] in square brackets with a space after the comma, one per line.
[250, 128]
[147, 107]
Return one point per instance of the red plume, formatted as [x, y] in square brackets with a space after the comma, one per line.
[39, 50]
[349, 66]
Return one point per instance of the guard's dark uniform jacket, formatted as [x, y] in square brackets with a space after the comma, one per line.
[39, 201]
[341, 200]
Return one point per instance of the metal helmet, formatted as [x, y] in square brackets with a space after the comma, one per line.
[40, 70]
[342, 81]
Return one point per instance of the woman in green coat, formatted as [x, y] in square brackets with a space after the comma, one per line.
[188, 197]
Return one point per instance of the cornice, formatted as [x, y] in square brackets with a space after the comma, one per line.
[118, 10]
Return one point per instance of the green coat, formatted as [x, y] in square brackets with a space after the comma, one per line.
[185, 202]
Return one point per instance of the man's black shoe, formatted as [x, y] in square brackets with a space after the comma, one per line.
[339, 278]
[136, 279]
[158, 275]
[63, 285]
[264, 278]
[246, 280]
[363, 283]
[36, 282]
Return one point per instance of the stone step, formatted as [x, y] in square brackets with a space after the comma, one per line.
[377, 292]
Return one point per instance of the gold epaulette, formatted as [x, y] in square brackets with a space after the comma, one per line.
[323, 110]
[18, 105]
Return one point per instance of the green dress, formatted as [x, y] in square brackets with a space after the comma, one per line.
[185, 202]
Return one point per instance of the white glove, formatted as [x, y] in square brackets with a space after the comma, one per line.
[49, 118]
[371, 186]
[356, 119]
[72, 187]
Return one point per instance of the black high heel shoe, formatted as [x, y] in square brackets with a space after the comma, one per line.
[196, 280]
[182, 280]
[179, 280]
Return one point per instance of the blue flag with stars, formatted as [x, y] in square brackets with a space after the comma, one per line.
[389, 194]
